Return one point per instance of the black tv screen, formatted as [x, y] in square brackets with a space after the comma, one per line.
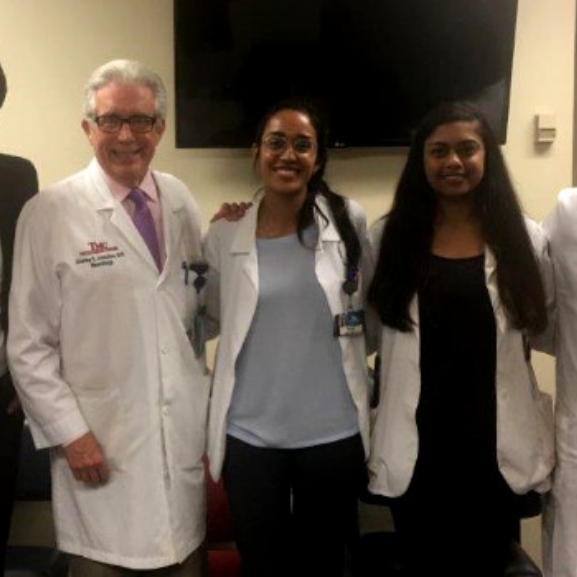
[373, 67]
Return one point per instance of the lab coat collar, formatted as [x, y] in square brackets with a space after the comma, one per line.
[244, 240]
[325, 223]
[99, 195]
[102, 199]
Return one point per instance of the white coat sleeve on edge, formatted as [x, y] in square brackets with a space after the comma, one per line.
[33, 342]
[545, 341]
[560, 513]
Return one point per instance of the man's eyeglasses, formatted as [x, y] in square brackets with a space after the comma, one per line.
[278, 143]
[139, 123]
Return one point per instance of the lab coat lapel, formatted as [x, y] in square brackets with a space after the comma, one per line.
[243, 246]
[330, 259]
[493, 289]
[501, 322]
[243, 254]
[172, 216]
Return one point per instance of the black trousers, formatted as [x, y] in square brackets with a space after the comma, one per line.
[294, 510]
[10, 435]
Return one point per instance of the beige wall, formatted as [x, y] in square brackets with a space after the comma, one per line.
[49, 47]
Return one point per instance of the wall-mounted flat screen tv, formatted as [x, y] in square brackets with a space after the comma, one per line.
[374, 67]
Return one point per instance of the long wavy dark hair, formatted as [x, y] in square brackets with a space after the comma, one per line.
[317, 184]
[408, 232]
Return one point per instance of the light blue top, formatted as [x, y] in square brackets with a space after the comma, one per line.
[290, 388]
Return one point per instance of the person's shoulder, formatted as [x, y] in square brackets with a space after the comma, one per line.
[67, 185]
[52, 197]
[565, 208]
[18, 179]
[375, 233]
[530, 223]
[226, 230]
[567, 194]
[176, 190]
[536, 232]
[355, 208]
[9, 162]
[567, 199]
[171, 183]
[560, 222]
[357, 213]
[377, 227]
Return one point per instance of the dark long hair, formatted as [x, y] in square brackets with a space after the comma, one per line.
[408, 232]
[317, 184]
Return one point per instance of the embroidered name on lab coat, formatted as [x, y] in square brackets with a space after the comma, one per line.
[99, 254]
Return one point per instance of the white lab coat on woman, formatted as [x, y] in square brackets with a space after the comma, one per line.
[525, 451]
[560, 542]
[231, 252]
[98, 342]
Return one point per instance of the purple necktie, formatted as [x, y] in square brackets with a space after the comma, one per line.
[145, 224]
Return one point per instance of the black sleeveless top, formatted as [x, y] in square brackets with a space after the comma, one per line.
[456, 414]
[456, 490]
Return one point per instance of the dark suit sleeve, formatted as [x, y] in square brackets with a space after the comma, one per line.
[18, 183]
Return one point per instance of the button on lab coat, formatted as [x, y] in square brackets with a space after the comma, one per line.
[99, 342]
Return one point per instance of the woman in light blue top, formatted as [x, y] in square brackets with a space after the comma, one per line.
[288, 422]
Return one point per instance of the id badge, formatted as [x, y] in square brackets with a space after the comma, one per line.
[349, 324]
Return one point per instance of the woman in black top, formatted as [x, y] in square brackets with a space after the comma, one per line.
[454, 206]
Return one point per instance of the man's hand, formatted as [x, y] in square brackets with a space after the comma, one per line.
[86, 460]
[231, 211]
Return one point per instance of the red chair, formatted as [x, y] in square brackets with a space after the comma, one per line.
[223, 557]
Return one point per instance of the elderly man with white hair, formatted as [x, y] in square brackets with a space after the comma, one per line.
[102, 311]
